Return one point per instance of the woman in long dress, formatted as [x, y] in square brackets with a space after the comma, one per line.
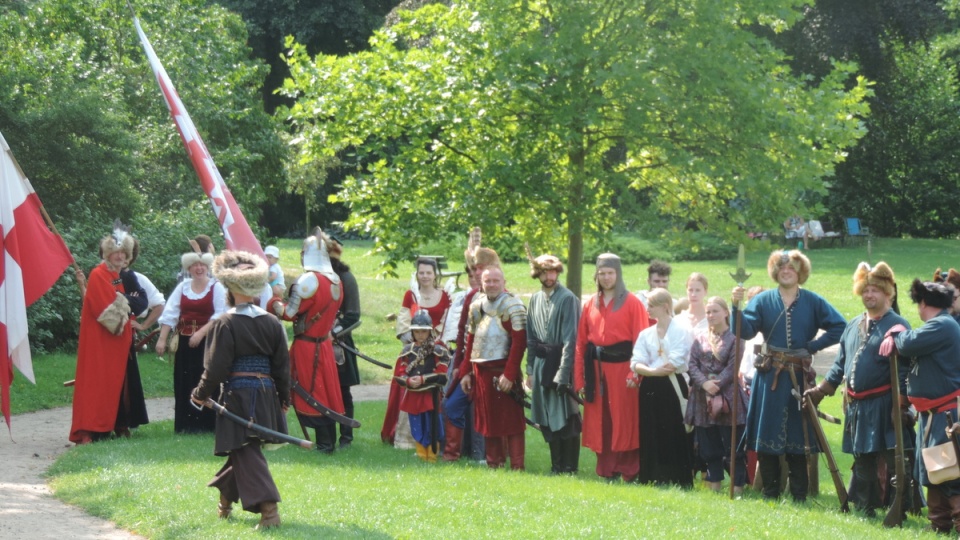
[659, 358]
[191, 309]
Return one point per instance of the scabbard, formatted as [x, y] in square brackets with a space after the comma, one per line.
[250, 424]
[323, 409]
[361, 355]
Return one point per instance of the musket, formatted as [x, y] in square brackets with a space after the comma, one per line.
[250, 424]
[814, 422]
[361, 355]
[519, 397]
[894, 517]
[323, 409]
[740, 277]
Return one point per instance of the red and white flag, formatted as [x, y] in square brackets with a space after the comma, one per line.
[33, 259]
[236, 231]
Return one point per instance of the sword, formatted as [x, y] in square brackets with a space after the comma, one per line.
[347, 330]
[250, 424]
[740, 277]
[360, 354]
[323, 409]
[520, 398]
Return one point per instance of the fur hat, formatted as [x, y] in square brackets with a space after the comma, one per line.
[476, 255]
[795, 258]
[334, 246]
[203, 252]
[952, 277]
[938, 295]
[119, 240]
[880, 276]
[241, 272]
[542, 263]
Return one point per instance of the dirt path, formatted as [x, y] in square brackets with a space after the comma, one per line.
[28, 509]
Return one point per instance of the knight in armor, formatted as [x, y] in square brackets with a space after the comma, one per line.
[495, 341]
[312, 305]
[246, 353]
[552, 320]
[422, 374]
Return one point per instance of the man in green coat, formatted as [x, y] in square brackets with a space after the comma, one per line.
[552, 320]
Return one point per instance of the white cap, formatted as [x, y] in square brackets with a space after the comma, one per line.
[272, 251]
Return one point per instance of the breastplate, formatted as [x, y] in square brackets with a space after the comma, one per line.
[490, 340]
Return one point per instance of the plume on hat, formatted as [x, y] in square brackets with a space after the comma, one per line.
[119, 239]
[478, 255]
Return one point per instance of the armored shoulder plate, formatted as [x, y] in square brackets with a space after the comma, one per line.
[307, 285]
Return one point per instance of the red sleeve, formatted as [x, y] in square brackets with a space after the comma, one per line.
[100, 291]
[578, 382]
[458, 355]
[464, 364]
[641, 319]
[401, 368]
[409, 301]
[518, 346]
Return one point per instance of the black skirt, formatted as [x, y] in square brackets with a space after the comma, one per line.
[664, 445]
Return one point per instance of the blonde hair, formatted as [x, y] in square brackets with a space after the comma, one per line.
[718, 301]
[660, 297]
[697, 276]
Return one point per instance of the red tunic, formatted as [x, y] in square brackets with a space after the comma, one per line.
[101, 358]
[602, 326]
[414, 402]
[437, 316]
[313, 365]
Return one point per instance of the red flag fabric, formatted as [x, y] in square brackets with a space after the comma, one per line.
[236, 232]
[33, 259]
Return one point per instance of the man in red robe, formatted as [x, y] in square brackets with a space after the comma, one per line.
[312, 306]
[103, 399]
[609, 325]
[496, 341]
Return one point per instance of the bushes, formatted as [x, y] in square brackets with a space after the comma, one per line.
[54, 320]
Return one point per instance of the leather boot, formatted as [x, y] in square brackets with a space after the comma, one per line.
[454, 436]
[224, 507]
[955, 511]
[556, 455]
[269, 516]
[768, 472]
[494, 452]
[938, 510]
[326, 438]
[516, 446]
[569, 455]
[346, 432]
[799, 483]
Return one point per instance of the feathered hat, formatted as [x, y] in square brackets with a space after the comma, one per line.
[880, 276]
[543, 263]
[478, 255]
[202, 251]
[241, 272]
[795, 258]
[119, 240]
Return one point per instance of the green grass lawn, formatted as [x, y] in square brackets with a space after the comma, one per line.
[153, 483]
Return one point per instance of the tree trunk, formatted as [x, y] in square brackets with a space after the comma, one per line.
[575, 254]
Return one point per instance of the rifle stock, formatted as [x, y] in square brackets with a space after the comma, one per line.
[814, 422]
[894, 517]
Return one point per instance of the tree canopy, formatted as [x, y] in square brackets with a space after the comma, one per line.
[526, 117]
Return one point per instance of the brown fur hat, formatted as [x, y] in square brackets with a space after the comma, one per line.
[795, 258]
[241, 272]
[880, 276]
[952, 277]
[543, 263]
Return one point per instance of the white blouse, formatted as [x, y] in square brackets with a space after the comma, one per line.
[674, 348]
[171, 310]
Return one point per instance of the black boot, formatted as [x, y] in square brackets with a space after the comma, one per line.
[570, 455]
[797, 464]
[556, 455]
[769, 466]
[346, 432]
[326, 438]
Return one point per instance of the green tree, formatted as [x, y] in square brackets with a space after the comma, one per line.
[503, 114]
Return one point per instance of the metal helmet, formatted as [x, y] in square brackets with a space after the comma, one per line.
[315, 256]
[421, 321]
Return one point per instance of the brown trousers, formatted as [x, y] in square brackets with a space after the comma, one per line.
[246, 477]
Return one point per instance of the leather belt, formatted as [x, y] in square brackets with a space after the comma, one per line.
[311, 339]
[250, 374]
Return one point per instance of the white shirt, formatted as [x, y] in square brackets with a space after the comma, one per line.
[154, 296]
[171, 311]
[674, 348]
